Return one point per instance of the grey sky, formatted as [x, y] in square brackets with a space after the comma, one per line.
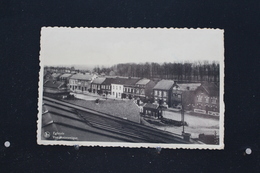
[109, 46]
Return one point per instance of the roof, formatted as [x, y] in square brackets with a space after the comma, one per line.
[82, 124]
[164, 84]
[131, 81]
[53, 84]
[66, 75]
[125, 81]
[211, 88]
[108, 81]
[99, 80]
[56, 74]
[123, 109]
[82, 76]
[191, 86]
[119, 81]
[143, 82]
[151, 106]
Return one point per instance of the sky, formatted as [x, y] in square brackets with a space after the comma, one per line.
[110, 46]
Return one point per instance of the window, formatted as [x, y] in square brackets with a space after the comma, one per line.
[116, 87]
[199, 98]
[120, 87]
[160, 93]
[155, 92]
[164, 93]
[214, 100]
[113, 87]
[207, 99]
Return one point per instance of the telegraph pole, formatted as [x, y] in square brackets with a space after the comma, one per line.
[182, 113]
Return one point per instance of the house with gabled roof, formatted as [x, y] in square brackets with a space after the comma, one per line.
[183, 94]
[152, 110]
[162, 92]
[206, 99]
[81, 83]
[144, 88]
[129, 87]
[106, 85]
[55, 88]
[96, 85]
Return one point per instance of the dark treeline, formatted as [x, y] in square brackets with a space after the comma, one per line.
[185, 71]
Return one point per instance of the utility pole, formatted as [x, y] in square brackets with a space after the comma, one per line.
[182, 114]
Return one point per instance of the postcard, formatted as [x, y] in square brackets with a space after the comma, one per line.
[131, 87]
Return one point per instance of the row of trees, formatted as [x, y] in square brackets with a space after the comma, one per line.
[185, 71]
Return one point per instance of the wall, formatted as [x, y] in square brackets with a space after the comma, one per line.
[117, 90]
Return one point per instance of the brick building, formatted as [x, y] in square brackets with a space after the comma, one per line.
[162, 92]
[206, 99]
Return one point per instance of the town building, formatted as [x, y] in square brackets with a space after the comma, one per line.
[117, 87]
[97, 84]
[55, 88]
[47, 75]
[106, 86]
[144, 88]
[162, 92]
[183, 95]
[56, 76]
[129, 87]
[152, 110]
[65, 77]
[81, 83]
[206, 99]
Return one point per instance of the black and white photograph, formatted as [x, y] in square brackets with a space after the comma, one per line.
[131, 87]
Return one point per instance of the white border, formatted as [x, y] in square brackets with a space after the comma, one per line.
[134, 145]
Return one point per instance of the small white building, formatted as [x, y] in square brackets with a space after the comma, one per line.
[117, 90]
[117, 87]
